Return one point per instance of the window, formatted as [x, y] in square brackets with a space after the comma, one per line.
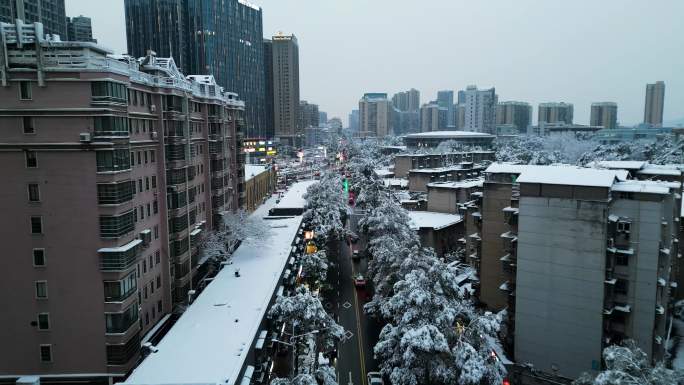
[148, 210]
[158, 281]
[120, 354]
[43, 321]
[33, 192]
[41, 290]
[156, 236]
[31, 159]
[152, 287]
[147, 318]
[145, 292]
[152, 160]
[145, 153]
[36, 225]
[157, 257]
[25, 91]
[142, 98]
[142, 213]
[115, 193]
[154, 181]
[147, 184]
[138, 157]
[27, 123]
[621, 260]
[151, 264]
[110, 126]
[624, 227]
[140, 185]
[621, 286]
[39, 257]
[132, 159]
[145, 267]
[117, 159]
[109, 91]
[120, 322]
[154, 312]
[118, 291]
[155, 207]
[114, 226]
[45, 353]
[159, 306]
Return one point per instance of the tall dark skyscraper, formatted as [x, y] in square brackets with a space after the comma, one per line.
[269, 125]
[222, 38]
[49, 12]
[79, 28]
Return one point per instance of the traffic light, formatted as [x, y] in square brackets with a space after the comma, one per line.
[345, 183]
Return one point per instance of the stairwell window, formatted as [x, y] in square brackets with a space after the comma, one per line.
[31, 159]
[41, 290]
[28, 126]
[25, 91]
[43, 321]
[36, 225]
[45, 353]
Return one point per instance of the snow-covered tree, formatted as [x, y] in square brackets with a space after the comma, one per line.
[304, 313]
[665, 150]
[434, 333]
[324, 375]
[629, 365]
[233, 229]
[326, 206]
[314, 266]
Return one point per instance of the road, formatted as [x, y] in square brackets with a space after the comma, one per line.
[355, 353]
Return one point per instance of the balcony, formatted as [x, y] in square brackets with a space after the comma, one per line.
[508, 264]
[120, 258]
[510, 240]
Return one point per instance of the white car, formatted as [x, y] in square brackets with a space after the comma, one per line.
[374, 378]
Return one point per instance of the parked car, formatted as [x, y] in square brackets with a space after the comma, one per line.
[374, 378]
[356, 255]
[359, 281]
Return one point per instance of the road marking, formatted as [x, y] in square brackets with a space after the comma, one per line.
[360, 335]
[346, 305]
[348, 335]
[350, 380]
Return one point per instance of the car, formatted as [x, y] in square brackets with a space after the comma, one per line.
[356, 254]
[359, 281]
[354, 238]
[374, 378]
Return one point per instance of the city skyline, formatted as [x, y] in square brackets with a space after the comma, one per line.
[518, 64]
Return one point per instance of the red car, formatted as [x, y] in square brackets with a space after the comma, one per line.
[359, 281]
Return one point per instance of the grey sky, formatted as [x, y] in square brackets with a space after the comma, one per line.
[578, 51]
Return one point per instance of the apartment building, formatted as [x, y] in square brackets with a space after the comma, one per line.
[114, 170]
[580, 258]
[448, 197]
[419, 179]
[403, 163]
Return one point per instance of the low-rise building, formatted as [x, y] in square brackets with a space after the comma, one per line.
[448, 197]
[405, 162]
[438, 230]
[425, 140]
[260, 183]
[420, 178]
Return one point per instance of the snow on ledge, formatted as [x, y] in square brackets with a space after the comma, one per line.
[428, 219]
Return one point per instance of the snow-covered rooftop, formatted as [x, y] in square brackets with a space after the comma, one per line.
[210, 341]
[383, 172]
[428, 219]
[252, 170]
[573, 176]
[450, 134]
[294, 197]
[395, 182]
[509, 168]
[470, 183]
[652, 169]
[619, 164]
[457, 167]
[645, 186]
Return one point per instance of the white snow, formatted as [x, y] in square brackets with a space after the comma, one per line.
[427, 219]
[121, 249]
[383, 172]
[468, 183]
[210, 341]
[294, 197]
[252, 170]
[573, 176]
[618, 164]
[642, 186]
[450, 134]
[395, 182]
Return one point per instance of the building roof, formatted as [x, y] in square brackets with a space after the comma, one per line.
[654, 169]
[383, 172]
[210, 341]
[619, 164]
[644, 186]
[428, 219]
[294, 197]
[509, 168]
[392, 182]
[449, 134]
[457, 167]
[252, 170]
[469, 183]
[574, 176]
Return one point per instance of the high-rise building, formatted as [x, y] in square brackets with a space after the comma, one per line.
[354, 121]
[433, 118]
[286, 90]
[655, 100]
[110, 204]
[480, 110]
[445, 99]
[458, 118]
[461, 97]
[518, 114]
[223, 39]
[79, 28]
[554, 113]
[322, 117]
[50, 13]
[407, 100]
[375, 114]
[269, 123]
[604, 114]
[308, 114]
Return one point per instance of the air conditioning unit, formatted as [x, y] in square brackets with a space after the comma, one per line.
[85, 137]
[153, 108]
[154, 135]
[146, 237]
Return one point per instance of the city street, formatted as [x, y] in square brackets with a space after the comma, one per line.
[355, 353]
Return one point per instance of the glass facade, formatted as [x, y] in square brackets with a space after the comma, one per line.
[222, 38]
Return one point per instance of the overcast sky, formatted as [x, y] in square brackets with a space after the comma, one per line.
[577, 51]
